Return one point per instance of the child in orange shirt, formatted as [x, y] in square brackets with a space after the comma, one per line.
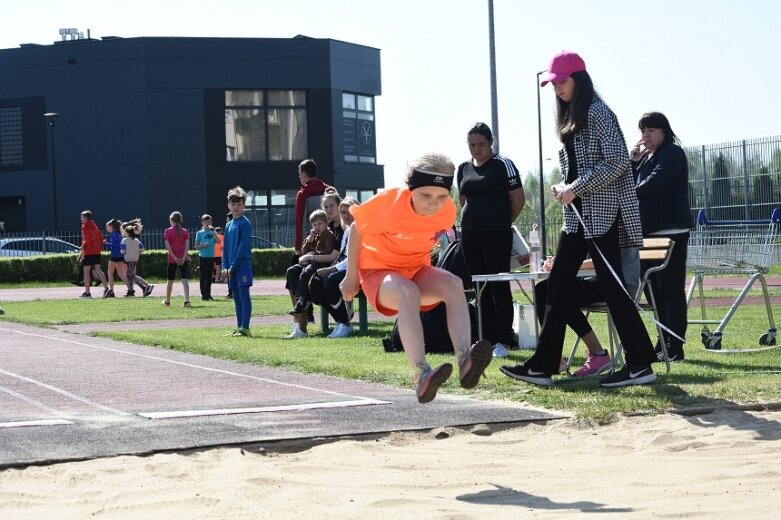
[388, 255]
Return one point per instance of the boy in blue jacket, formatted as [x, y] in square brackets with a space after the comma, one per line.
[237, 259]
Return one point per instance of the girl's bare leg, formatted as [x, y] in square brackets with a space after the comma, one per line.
[402, 295]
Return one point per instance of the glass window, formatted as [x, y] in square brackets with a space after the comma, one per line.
[348, 100]
[245, 135]
[286, 98]
[358, 128]
[287, 134]
[244, 98]
[11, 142]
[256, 133]
[366, 103]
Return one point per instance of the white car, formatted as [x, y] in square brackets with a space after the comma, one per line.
[31, 246]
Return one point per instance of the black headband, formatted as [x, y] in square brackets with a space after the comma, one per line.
[420, 178]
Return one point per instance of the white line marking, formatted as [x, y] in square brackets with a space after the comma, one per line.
[31, 402]
[66, 393]
[281, 408]
[182, 363]
[47, 422]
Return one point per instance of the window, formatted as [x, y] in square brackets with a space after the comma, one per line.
[359, 195]
[271, 214]
[11, 149]
[265, 125]
[358, 128]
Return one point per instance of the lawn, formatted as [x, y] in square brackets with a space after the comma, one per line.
[706, 378]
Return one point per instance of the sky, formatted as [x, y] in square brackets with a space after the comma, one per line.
[711, 67]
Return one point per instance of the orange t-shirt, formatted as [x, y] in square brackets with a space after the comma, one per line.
[218, 246]
[396, 238]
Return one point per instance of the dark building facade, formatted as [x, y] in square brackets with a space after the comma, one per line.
[145, 126]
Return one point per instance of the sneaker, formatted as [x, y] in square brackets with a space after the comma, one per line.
[166, 303]
[563, 365]
[148, 290]
[106, 290]
[243, 333]
[85, 296]
[479, 357]
[675, 355]
[232, 333]
[594, 365]
[524, 373]
[187, 304]
[130, 294]
[229, 296]
[297, 333]
[342, 331]
[428, 381]
[108, 294]
[500, 351]
[629, 375]
[300, 307]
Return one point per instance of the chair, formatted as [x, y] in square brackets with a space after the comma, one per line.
[653, 249]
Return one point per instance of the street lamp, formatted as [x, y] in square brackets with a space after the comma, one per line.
[542, 175]
[492, 57]
[51, 117]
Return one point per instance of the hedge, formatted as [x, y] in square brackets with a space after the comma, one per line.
[64, 268]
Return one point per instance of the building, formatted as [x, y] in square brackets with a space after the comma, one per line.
[145, 126]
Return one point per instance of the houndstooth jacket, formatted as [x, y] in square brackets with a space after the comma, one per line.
[605, 183]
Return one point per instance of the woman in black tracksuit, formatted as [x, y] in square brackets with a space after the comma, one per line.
[491, 197]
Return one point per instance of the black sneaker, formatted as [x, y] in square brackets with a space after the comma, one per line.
[524, 373]
[108, 294]
[148, 290]
[675, 355]
[300, 308]
[86, 296]
[629, 375]
[130, 294]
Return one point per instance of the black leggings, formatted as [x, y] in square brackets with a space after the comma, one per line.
[488, 252]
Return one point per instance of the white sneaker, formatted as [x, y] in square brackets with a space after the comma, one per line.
[500, 351]
[342, 331]
[297, 333]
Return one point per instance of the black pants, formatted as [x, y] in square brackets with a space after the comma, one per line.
[298, 277]
[488, 252]
[669, 286]
[570, 255]
[332, 297]
[585, 292]
[206, 272]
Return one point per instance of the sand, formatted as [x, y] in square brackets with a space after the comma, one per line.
[725, 464]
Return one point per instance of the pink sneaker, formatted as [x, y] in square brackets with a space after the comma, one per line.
[594, 365]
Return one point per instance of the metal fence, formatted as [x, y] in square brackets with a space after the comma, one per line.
[738, 180]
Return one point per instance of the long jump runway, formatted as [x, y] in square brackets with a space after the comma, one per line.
[71, 397]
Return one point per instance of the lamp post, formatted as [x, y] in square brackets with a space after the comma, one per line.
[542, 175]
[492, 55]
[51, 118]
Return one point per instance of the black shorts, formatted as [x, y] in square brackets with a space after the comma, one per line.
[90, 260]
[218, 261]
[118, 259]
[184, 271]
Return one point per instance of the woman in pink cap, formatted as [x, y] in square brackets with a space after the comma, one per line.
[600, 216]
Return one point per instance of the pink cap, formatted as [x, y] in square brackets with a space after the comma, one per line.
[562, 66]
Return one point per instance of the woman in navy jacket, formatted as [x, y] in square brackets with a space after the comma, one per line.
[662, 183]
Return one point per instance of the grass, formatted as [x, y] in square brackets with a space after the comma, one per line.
[705, 379]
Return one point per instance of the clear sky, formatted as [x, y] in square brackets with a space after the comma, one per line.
[712, 67]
